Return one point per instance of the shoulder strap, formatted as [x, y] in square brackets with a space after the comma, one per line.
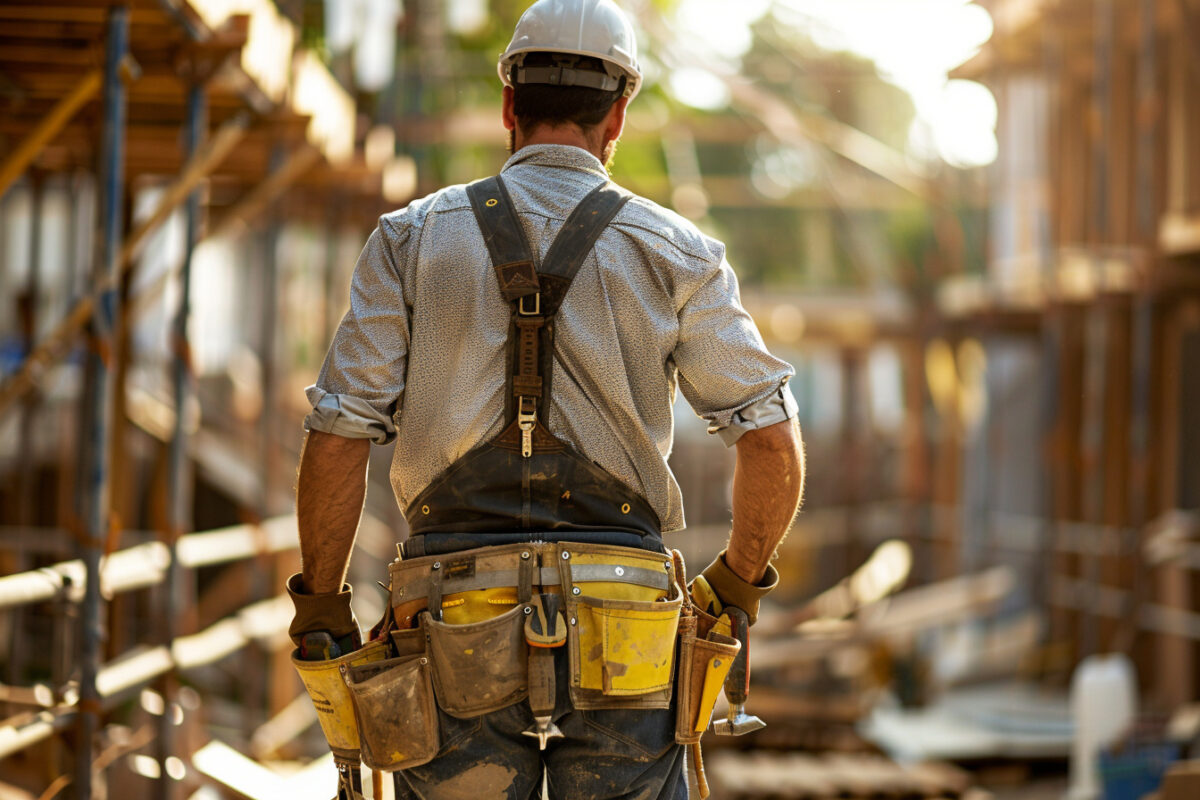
[505, 238]
[531, 337]
[576, 239]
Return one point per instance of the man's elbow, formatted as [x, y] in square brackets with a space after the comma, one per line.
[781, 440]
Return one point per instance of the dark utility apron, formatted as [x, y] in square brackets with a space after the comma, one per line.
[527, 484]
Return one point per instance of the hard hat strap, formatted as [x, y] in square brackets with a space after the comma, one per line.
[559, 75]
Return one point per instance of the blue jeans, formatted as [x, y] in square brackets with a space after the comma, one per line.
[604, 755]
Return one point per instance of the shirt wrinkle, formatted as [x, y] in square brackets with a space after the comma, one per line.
[420, 356]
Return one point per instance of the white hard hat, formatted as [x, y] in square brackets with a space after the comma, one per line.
[593, 28]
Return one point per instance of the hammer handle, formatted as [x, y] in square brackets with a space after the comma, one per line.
[737, 683]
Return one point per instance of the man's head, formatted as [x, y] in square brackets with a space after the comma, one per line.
[569, 72]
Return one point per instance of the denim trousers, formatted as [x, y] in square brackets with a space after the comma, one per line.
[603, 754]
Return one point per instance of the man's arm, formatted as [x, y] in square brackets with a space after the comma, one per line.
[329, 500]
[767, 485]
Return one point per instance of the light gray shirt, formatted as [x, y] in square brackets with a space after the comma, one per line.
[420, 355]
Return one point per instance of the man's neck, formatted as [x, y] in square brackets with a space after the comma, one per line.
[564, 134]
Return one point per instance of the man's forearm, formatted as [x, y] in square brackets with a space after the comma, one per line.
[329, 501]
[767, 485]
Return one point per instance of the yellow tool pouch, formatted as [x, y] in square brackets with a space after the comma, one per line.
[331, 698]
[703, 666]
[395, 710]
[622, 647]
[479, 667]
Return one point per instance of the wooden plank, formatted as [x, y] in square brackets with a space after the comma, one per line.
[205, 161]
[1179, 233]
[51, 347]
[1118, 567]
[74, 14]
[1176, 658]
[59, 30]
[248, 208]
[25, 153]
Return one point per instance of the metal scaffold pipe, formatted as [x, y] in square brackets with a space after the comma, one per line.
[145, 565]
[105, 279]
[179, 476]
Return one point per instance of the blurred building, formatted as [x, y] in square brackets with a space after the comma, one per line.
[1090, 316]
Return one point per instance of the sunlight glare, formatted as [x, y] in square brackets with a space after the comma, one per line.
[718, 27]
[699, 88]
[914, 44]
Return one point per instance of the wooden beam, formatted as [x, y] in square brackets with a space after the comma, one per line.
[53, 345]
[197, 169]
[250, 206]
[51, 12]
[48, 128]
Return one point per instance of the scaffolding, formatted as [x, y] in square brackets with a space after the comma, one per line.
[175, 122]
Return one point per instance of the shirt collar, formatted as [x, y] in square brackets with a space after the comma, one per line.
[556, 155]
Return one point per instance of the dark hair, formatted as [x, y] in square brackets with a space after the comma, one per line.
[537, 104]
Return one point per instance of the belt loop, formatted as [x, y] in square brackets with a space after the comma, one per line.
[435, 591]
[529, 562]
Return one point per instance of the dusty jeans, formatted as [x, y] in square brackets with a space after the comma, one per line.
[603, 755]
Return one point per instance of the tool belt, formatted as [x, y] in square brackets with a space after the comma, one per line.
[474, 632]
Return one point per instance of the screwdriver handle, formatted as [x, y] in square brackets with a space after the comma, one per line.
[737, 683]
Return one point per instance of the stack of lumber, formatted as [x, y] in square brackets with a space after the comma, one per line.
[802, 776]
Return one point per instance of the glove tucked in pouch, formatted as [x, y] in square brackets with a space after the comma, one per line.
[331, 698]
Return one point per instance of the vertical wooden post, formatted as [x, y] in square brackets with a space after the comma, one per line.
[179, 473]
[27, 483]
[111, 169]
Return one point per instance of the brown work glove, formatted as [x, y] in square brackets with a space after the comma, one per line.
[324, 626]
[719, 586]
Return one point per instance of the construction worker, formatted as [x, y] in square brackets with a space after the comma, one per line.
[521, 339]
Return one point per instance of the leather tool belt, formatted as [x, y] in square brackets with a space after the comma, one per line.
[474, 632]
[615, 602]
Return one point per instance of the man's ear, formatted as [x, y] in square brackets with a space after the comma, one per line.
[614, 123]
[506, 110]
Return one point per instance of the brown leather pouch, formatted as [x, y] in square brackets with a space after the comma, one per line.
[480, 667]
[408, 642]
[703, 665]
[395, 710]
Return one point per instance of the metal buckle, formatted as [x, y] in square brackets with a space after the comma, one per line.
[525, 421]
[537, 305]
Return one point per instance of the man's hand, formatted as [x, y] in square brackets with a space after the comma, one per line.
[767, 485]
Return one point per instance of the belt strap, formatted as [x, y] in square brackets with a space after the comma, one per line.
[436, 585]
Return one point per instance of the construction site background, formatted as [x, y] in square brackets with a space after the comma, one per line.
[973, 227]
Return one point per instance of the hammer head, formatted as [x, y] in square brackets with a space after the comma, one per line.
[738, 722]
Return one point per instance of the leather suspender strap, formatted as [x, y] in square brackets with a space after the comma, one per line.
[505, 238]
[536, 294]
[511, 257]
[576, 239]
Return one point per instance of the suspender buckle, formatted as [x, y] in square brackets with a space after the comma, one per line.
[537, 305]
[526, 419]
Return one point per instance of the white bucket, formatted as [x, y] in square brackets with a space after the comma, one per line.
[1103, 707]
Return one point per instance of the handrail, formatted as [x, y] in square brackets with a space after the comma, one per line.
[262, 621]
[145, 565]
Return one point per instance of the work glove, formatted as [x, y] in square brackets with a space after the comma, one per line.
[718, 586]
[324, 627]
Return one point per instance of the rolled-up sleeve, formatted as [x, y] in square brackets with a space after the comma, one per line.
[361, 384]
[726, 372]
